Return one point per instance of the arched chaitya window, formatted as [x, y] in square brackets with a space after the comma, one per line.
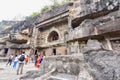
[53, 36]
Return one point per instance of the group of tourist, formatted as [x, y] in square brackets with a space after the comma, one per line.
[23, 59]
[18, 59]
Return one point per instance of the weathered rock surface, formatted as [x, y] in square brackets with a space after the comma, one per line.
[97, 26]
[85, 7]
[94, 64]
[4, 24]
[103, 64]
[92, 45]
[53, 12]
[30, 75]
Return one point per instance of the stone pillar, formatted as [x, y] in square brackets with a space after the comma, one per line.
[69, 23]
[77, 47]
[68, 49]
[108, 43]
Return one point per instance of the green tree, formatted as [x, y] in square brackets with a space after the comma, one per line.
[34, 14]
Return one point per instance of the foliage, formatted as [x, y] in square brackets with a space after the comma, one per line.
[34, 14]
[5, 27]
[50, 7]
[45, 8]
[55, 4]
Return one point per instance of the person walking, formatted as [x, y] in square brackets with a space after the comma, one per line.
[21, 60]
[15, 61]
[38, 61]
[10, 60]
[36, 57]
[26, 59]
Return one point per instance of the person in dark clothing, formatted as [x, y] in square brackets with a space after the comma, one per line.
[36, 56]
[10, 60]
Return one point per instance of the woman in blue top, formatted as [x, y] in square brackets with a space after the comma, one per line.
[15, 61]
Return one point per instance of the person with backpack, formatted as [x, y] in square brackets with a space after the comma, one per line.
[10, 60]
[21, 60]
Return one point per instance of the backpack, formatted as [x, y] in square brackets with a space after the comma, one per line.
[22, 58]
[10, 58]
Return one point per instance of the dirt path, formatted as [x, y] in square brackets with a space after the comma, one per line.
[8, 73]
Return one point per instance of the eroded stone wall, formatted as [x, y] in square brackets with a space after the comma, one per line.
[43, 42]
[84, 7]
[68, 64]
[60, 50]
[60, 28]
[94, 63]
[95, 26]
